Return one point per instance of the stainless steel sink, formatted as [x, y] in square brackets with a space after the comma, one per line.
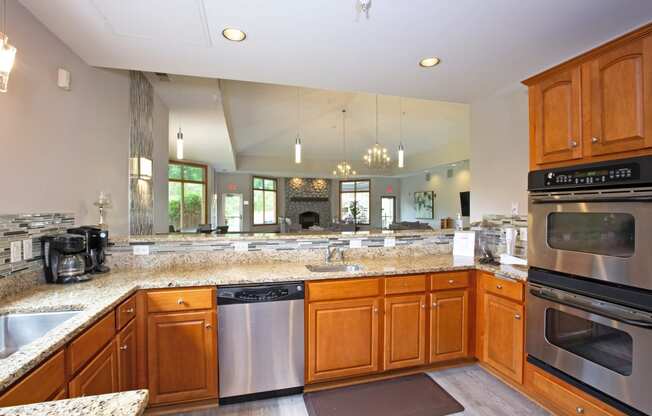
[18, 330]
[326, 268]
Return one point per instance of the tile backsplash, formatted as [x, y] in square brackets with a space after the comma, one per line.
[492, 234]
[21, 227]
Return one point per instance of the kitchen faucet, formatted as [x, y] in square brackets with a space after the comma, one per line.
[331, 251]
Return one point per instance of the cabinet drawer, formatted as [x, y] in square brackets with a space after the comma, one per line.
[343, 289]
[40, 385]
[180, 300]
[449, 280]
[506, 288]
[405, 284]
[125, 312]
[562, 399]
[85, 346]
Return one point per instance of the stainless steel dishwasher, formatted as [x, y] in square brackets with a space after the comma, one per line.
[260, 339]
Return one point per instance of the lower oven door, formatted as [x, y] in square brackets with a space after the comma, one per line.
[611, 355]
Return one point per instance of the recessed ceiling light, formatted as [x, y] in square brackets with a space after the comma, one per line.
[429, 62]
[236, 35]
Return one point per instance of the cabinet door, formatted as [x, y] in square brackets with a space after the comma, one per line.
[503, 343]
[405, 331]
[449, 332]
[127, 354]
[182, 356]
[621, 99]
[556, 110]
[342, 338]
[100, 376]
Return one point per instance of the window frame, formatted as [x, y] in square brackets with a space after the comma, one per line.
[393, 198]
[355, 192]
[183, 181]
[253, 207]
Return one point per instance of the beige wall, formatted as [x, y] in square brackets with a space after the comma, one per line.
[60, 149]
[499, 153]
[447, 192]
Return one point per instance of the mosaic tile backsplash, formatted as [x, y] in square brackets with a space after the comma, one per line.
[492, 234]
[17, 228]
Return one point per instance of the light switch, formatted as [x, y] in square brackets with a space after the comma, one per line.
[514, 208]
[16, 248]
[355, 243]
[27, 249]
[390, 241]
[241, 246]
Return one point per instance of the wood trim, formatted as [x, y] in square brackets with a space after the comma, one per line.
[141, 339]
[591, 54]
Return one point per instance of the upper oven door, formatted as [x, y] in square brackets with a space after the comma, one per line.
[603, 235]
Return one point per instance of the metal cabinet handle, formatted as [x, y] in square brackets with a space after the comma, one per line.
[450, 282]
[499, 286]
[573, 143]
[130, 310]
[423, 306]
[180, 301]
[434, 304]
[517, 317]
[123, 348]
[580, 410]
[594, 140]
[209, 326]
[375, 310]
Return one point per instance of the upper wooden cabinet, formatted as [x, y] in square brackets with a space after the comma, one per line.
[556, 110]
[621, 98]
[595, 107]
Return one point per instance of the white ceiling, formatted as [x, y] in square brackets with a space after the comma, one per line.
[484, 45]
[195, 106]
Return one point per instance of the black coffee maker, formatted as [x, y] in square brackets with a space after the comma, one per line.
[64, 258]
[97, 241]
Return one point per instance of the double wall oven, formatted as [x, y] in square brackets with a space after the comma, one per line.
[589, 300]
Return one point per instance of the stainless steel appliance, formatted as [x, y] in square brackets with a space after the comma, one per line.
[261, 341]
[64, 258]
[589, 300]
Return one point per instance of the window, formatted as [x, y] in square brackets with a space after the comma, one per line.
[354, 202]
[187, 196]
[264, 190]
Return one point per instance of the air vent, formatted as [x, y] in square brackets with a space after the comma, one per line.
[449, 173]
[162, 76]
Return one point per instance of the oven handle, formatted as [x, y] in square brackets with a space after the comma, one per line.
[614, 312]
[589, 200]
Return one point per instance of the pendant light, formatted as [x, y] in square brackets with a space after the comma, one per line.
[7, 52]
[376, 156]
[344, 169]
[401, 149]
[297, 142]
[180, 145]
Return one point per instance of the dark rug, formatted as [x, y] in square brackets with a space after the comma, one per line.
[415, 395]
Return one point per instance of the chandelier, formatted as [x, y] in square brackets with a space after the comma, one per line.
[7, 52]
[376, 156]
[344, 169]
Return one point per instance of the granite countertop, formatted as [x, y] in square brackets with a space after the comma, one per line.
[98, 296]
[129, 403]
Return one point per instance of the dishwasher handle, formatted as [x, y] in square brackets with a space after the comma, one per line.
[234, 295]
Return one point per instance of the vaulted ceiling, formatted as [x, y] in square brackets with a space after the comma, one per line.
[483, 44]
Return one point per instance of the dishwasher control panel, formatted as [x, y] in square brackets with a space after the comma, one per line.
[259, 293]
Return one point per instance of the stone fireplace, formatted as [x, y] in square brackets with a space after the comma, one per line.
[307, 202]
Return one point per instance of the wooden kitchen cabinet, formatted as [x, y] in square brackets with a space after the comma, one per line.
[405, 331]
[99, 376]
[343, 338]
[182, 356]
[620, 100]
[595, 107]
[127, 357]
[449, 325]
[42, 384]
[555, 109]
[504, 336]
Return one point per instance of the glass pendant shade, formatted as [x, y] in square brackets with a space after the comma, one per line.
[7, 58]
[401, 156]
[179, 145]
[297, 151]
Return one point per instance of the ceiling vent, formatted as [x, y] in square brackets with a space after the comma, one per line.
[162, 76]
[449, 173]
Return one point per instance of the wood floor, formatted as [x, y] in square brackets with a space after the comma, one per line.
[479, 392]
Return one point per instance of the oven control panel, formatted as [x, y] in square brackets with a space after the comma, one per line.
[594, 176]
